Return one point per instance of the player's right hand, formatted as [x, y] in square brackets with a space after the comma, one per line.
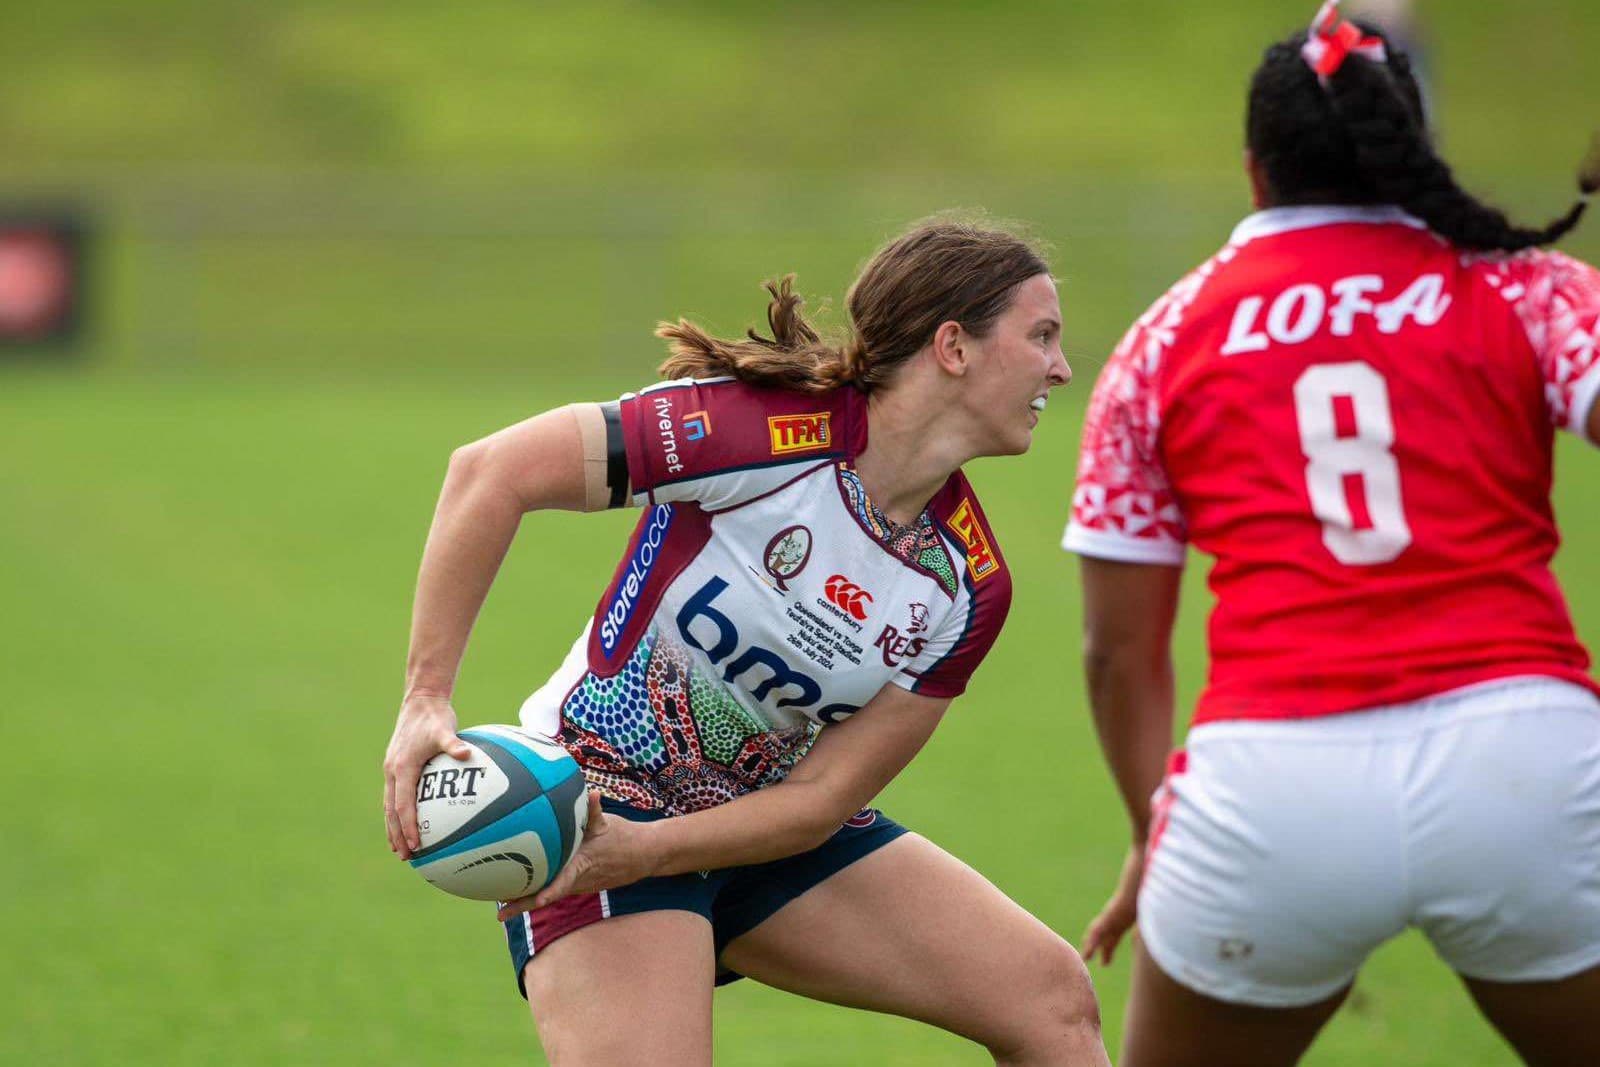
[1106, 931]
[426, 726]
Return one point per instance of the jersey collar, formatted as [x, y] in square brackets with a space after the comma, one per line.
[1276, 220]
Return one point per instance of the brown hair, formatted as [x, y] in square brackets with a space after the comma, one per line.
[940, 271]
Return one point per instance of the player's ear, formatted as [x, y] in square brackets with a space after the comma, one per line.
[951, 347]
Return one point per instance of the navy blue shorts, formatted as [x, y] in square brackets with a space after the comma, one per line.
[735, 900]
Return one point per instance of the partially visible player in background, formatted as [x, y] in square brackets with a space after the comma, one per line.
[810, 584]
[1352, 408]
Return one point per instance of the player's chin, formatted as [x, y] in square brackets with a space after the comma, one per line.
[1016, 443]
[1012, 439]
[1022, 439]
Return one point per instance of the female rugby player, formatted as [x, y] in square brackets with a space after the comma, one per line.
[1352, 408]
[810, 584]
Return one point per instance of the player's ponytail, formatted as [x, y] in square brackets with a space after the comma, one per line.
[794, 357]
[1356, 134]
[943, 270]
[1393, 154]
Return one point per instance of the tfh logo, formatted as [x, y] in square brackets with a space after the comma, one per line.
[981, 560]
[844, 593]
[800, 433]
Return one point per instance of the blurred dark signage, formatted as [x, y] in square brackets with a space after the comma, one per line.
[41, 278]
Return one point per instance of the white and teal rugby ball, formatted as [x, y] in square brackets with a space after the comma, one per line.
[498, 826]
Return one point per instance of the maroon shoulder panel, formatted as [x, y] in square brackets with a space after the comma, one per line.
[985, 584]
[679, 431]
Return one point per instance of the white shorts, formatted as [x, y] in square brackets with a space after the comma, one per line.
[1289, 850]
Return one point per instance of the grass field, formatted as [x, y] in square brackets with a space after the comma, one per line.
[208, 582]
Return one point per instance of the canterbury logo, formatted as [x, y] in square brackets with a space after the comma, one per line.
[846, 594]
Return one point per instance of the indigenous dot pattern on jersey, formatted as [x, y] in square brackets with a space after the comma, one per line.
[917, 543]
[659, 736]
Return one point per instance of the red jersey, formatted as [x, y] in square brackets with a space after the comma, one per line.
[1356, 420]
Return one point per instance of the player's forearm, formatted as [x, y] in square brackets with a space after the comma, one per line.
[768, 824]
[473, 525]
[1131, 696]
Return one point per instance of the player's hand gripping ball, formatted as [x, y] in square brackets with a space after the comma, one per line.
[498, 826]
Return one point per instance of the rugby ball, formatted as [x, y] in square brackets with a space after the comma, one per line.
[498, 826]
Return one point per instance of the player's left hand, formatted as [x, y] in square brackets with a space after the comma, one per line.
[615, 852]
[1106, 931]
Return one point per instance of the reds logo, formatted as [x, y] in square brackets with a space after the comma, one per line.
[919, 619]
[800, 433]
[897, 646]
[981, 560]
[843, 593]
[862, 819]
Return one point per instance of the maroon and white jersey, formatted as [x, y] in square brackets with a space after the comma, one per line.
[761, 596]
[1356, 420]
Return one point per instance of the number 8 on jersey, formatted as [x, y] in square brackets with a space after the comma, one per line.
[1347, 434]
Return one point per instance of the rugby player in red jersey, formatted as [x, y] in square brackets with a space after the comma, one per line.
[1351, 407]
[810, 584]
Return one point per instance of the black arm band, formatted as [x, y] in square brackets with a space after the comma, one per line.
[616, 455]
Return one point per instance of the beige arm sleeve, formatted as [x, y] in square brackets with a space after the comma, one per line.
[596, 458]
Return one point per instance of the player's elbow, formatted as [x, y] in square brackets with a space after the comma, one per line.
[815, 817]
[1116, 657]
[1103, 656]
[814, 830]
[469, 463]
[486, 466]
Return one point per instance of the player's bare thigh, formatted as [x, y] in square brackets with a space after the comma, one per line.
[1550, 1024]
[1170, 1025]
[912, 931]
[627, 990]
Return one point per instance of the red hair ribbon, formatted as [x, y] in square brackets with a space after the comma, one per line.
[1331, 40]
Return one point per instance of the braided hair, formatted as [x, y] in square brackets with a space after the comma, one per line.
[1361, 138]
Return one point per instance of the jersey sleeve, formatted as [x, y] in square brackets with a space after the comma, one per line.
[1558, 300]
[1123, 507]
[721, 442]
[946, 660]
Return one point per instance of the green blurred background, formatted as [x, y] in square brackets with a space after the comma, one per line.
[334, 240]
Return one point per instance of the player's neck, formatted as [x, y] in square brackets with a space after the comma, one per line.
[907, 459]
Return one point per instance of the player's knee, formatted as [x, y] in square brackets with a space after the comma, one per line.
[1058, 1010]
[1071, 999]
